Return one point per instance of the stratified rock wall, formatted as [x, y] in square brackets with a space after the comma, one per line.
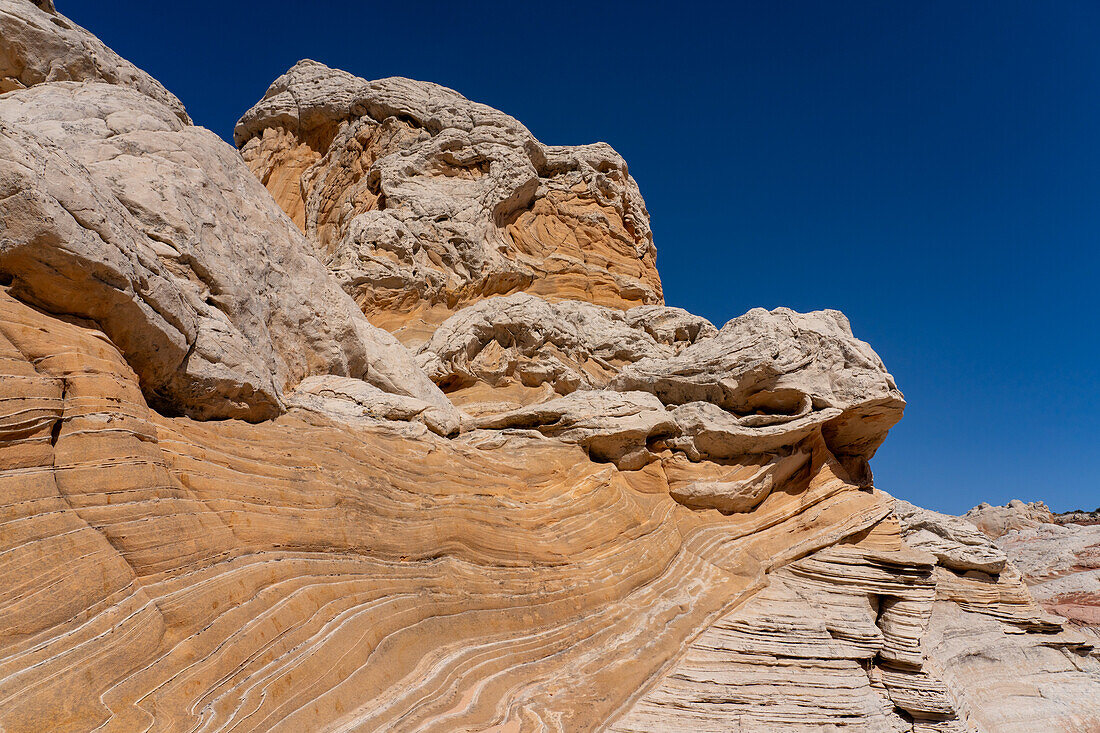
[1010, 665]
[312, 572]
[1058, 555]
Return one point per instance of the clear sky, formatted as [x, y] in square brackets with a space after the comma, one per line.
[930, 168]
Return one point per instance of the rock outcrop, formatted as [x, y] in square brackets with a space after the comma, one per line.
[230, 502]
[315, 571]
[1078, 516]
[1058, 555]
[771, 378]
[757, 389]
[994, 521]
[525, 347]
[119, 213]
[894, 629]
[833, 643]
[1010, 665]
[956, 543]
[421, 201]
[41, 45]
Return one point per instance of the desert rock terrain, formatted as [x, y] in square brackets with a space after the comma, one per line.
[380, 422]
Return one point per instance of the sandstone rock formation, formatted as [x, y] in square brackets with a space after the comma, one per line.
[874, 634]
[421, 201]
[519, 343]
[1002, 679]
[635, 522]
[41, 45]
[776, 376]
[956, 543]
[1058, 556]
[994, 521]
[119, 213]
[314, 572]
[833, 643]
[1078, 516]
[758, 388]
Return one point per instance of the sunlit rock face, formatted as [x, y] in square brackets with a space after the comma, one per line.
[892, 629]
[230, 502]
[119, 212]
[41, 45]
[421, 201]
[1058, 555]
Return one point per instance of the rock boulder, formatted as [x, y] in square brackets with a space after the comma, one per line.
[120, 213]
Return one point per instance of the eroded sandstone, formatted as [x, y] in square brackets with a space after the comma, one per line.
[781, 373]
[421, 201]
[312, 571]
[41, 45]
[505, 352]
[119, 213]
[635, 522]
[1058, 556]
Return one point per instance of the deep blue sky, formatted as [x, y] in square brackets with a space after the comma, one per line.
[930, 168]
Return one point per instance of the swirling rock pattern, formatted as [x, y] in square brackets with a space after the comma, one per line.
[230, 503]
[832, 643]
[870, 635]
[527, 349]
[306, 573]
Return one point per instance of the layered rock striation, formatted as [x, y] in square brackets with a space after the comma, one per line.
[1058, 555]
[1009, 663]
[234, 500]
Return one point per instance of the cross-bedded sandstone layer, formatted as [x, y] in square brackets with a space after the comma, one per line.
[309, 573]
[916, 624]
[1058, 555]
[231, 503]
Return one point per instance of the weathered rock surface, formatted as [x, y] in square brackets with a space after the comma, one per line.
[783, 370]
[303, 574]
[745, 486]
[638, 523]
[994, 521]
[1060, 562]
[766, 382]
[421, 201]
[1007, 682]
[40, 45]
[346, 398]
[119, 213]
[1002, 679]
[833, 643]
[870, 635]
[526, 349]
[611, 426]
[1078, 517]
[956, 543]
